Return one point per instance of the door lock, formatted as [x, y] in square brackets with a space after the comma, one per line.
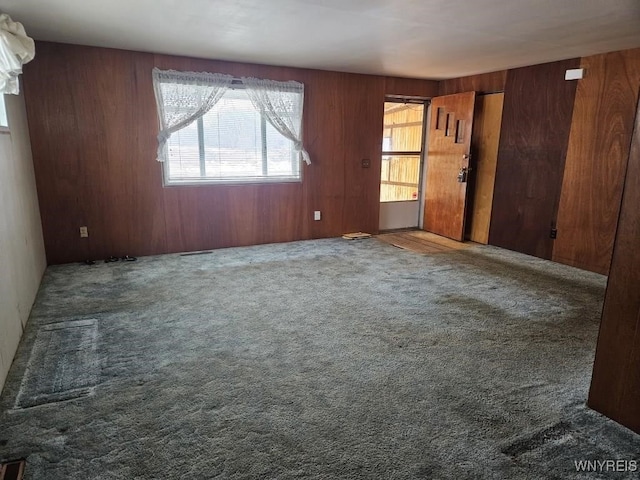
[463, 174]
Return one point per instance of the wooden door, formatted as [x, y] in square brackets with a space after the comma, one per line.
[448, 154]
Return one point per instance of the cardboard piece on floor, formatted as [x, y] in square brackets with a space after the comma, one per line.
[356, 236]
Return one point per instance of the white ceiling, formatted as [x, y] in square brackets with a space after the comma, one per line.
[414, 38]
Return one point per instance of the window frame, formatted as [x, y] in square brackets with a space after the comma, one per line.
[3, 105]
[209, 181]
[421, 154]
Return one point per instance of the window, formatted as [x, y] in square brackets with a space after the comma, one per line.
[401, 151]
[4, 124]
[217, 129]
[232, 142]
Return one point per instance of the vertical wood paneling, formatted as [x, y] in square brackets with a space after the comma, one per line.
[362, 184]
[86, 143]
[596, 160]
[324, 129]
[411, 87]
[486, 133]
[93, 123]
[536, 119]
[482, 83]
[615, 386]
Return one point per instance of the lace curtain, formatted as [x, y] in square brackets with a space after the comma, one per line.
[280, 103]
[182, 98]
[16, 49]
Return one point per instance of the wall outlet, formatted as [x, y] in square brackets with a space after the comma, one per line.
[84, 232]
[316, 215]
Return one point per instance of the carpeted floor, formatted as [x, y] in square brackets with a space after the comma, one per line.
[319, 359]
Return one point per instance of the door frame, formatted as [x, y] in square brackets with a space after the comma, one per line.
[425, 162]
[426, 101]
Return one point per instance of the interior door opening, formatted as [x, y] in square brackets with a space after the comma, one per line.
[402, 162]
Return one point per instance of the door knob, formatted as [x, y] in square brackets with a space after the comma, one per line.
[463, 174]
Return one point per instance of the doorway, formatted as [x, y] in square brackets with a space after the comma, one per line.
[403, 135]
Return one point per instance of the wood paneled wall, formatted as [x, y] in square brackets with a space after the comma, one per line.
[536, 120]
[596, 159]
[93, 123]
[91, 136]
[591, 172]
[482, 83]
[615, 386]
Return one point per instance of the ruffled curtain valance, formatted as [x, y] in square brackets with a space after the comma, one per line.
[16, 49]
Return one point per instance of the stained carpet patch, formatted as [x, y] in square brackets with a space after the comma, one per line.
[63, 364]
[528, 443]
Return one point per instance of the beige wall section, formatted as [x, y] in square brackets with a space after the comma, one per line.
[21, 246]
[399, 215]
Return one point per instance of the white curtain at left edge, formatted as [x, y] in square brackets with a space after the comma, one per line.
[182, 98]
[16, 49]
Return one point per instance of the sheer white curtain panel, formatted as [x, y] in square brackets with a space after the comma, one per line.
[182, 98]
[280, 103]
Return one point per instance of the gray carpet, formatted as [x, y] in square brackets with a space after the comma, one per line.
[320, 359]
[62, 365]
